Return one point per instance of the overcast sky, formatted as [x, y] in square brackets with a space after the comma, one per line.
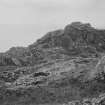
[24, 21]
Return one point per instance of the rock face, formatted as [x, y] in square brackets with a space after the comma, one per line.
[64, 67]
[89, 101]
[76, 39]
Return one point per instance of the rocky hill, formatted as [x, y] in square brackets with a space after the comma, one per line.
[76, 39]
[64, 67]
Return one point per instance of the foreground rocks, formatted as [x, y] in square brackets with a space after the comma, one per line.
[100, 100]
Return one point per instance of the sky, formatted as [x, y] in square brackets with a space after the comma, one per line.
[22, 22]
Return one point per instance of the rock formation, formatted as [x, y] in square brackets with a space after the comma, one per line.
[64, 67]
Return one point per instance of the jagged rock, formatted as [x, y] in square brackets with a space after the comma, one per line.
[86, 102]
[75, 37]
[8, 76]
[99, 70]
[16, 61]
[40, 74]
[62, 66]
[89, 101]
[101, 65]
[77, 102]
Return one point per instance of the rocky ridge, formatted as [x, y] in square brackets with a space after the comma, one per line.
[76, 39]
[62, 66]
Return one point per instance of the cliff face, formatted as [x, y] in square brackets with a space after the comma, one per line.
[64, 66]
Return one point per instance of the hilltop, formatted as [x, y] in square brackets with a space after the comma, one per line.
[76, 39]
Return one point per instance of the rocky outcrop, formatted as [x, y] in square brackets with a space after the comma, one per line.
[64, 66]
[76, 39]
[100, 100]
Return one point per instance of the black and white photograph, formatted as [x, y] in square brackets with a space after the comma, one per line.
[52, 52]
